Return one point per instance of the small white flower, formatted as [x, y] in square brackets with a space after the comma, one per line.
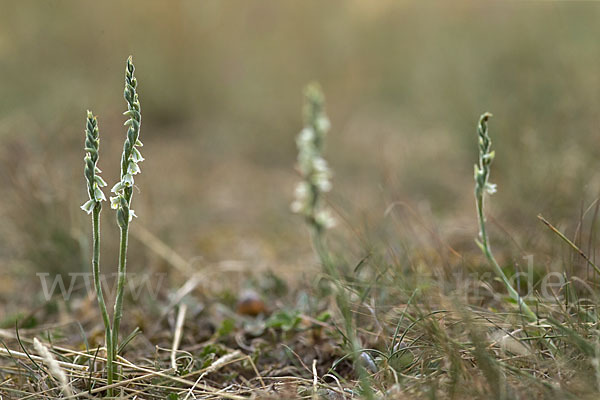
[128, 180]
[297, 206]
[301, 193]
[88, 206]
[133, 168]
[320, 165]
[118, 187]
[323, 124]
[325, 219]
[323, 183]
[301, 190]
[491, 188]
[99, 181]
[99, 195]
[114, 202]
[306, 136]
[132, 215]
[136, 155]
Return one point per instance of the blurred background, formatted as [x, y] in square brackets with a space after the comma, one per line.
[221, 84]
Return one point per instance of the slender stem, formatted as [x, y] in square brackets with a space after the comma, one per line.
[482, 185]
[343, 303]
[118, 311]
[320, 249]
[99, 291]
[96, 265]
[487, 251]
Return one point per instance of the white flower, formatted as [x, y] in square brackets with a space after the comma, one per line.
[99, 181]
[305, 137]
[127, 180]
[297, 206]
[88, 206]
[301, 196]
[491, 188]
[133, 168]
[323, 124]
[132, 215]
[325, 219]
[99, 194]
[136, 155]
[321, 180]
[324, 185]
[301, 190]
[118, 187]
[320, 165]
[115, 202]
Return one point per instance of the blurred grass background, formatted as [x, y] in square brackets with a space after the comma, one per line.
[220, 88]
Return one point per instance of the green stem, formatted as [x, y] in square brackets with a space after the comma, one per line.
[320, 249]
[343, 302]
[118, 311]
[99, 292]
[485, 248]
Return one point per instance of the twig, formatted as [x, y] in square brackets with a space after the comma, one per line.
[221, 362]
[177, 335]
[23, 356]
[315, 380]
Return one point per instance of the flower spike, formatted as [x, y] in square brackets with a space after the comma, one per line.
[131, 155]
[315, 172]
[91, 170]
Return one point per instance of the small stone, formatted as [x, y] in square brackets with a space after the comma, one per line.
[251, 304]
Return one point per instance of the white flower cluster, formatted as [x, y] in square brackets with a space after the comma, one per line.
[123, 190]
[486, 156]
[91, 171]
[313, 167]
[127, 180]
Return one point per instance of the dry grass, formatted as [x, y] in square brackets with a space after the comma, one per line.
[221, 88]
